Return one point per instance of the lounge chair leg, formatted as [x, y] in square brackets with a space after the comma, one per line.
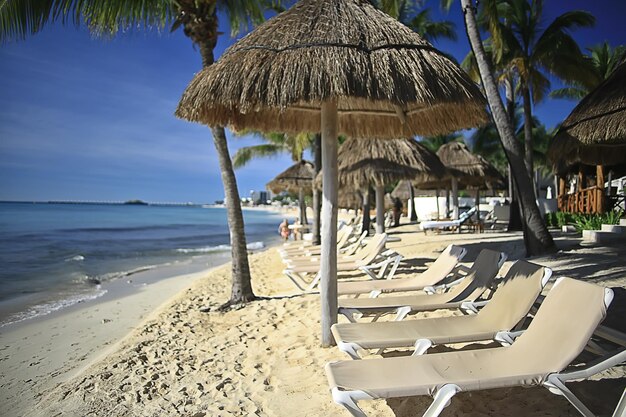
[402, 312]
[348, 399]
[289, 275]
[352, 349]
[441, 400]
[556, 386]
[315, 281]
[396, 263]
[369, 272]
[349, 314]
[421, 346]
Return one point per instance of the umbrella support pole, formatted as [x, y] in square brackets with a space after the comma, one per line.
[328, 284]
[455, 198]
[380, 209]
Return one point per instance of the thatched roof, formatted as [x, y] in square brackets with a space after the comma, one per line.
[380, 162]
[595, 131]
[471, 170]
[387, 81]
[402, 191]
[298, 176]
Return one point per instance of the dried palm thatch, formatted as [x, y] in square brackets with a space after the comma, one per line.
[402, 190]
[471, 171]
[380, 162]
[297, 177]
[595, 131]
[386, 80]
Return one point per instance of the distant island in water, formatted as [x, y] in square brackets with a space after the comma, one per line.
[134, 202]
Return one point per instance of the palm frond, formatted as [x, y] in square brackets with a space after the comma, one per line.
[570, 93]
[21, 18]
[246, 154]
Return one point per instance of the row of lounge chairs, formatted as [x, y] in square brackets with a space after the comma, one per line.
[531, 354]
[303, 262]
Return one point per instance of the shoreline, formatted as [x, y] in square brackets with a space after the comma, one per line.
[47, 350]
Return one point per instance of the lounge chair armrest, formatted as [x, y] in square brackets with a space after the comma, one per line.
[351, 348]
[432, 289]
[506, 338]
[594, 367]
[471, 307]
[461, 269]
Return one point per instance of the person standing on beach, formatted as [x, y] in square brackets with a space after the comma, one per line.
[283, 229]
[397, 211]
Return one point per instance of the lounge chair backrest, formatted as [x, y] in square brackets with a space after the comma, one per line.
[563, 324]
[480, 276]
[443, 265]
[344, 234]
[515, 296]
[371, 250]
[469, 213]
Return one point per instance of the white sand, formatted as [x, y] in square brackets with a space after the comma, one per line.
[263, 359]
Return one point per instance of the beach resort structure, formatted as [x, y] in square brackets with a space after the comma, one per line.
[590, 149]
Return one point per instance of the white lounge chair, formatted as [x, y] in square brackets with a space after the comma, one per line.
[463, 295]
[509, 305]
[368, 259]
[448, 224]
[442, 267]
[556, 336]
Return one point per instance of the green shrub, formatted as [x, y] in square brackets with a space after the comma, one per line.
[595, 221]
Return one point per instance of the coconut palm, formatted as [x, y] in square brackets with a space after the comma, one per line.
[535, 53]
[435, 142]
[199, 20]
[600, 63]
[409, 13]
[278, 143]
[537, 239]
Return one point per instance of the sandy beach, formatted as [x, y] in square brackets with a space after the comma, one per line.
[155, 353]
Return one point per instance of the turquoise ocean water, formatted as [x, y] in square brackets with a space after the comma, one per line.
[56, 255]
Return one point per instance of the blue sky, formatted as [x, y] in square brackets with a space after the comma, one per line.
[92, 119]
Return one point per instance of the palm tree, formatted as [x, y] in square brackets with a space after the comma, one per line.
[600, 63]
[534, 53]
[199, 19]
[406, 11]
[435, 142]
[537, 239]
[278, 143]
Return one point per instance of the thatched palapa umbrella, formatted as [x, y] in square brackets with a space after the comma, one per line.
[298, 178]
[379, 162]
[334, 66]
[595, 131]
[467, 170]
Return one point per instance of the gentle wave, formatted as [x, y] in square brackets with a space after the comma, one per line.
[47, 308]
[220, 248]
[76, 258]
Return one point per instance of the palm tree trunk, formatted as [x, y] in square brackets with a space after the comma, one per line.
[537, 239]
[204, 34]
[241, 290]
[317, 195]
[528, 131]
